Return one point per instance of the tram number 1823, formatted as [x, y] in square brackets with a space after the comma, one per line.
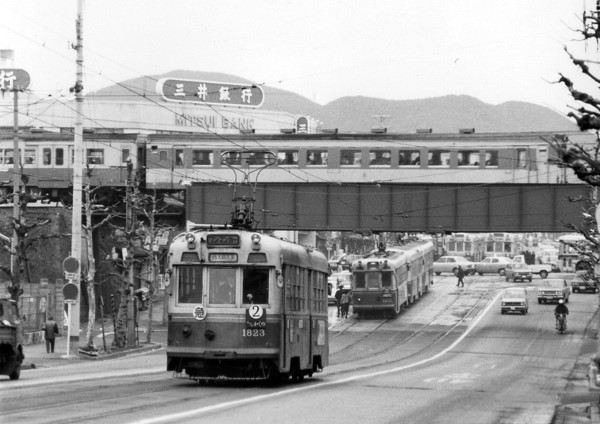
[256, 322]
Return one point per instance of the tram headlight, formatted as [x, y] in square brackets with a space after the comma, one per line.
[255, 241]
[190, 238]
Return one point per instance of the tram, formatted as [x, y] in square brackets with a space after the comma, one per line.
[390, 278]
[245, 305]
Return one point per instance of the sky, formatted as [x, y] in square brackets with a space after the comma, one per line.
[496, 51]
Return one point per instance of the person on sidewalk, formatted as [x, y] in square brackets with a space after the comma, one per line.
[460, 273]
[50, 328]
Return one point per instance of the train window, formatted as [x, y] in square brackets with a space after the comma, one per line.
[409, 157]
[521, 158]
[350, 157]
[287, 157]
[255, 286]
[202, 157]
[189, 286]
[231, 158]
[221, 283]
[258, 158]
[124, 155]
[7, 157]
[29, 156]
[468, 158]
[489, 247]
[47, 156]
[60, 156]
[438, 158]
[316, 157]
[459, 246]
[467, 246]
[380, 157]
[162, 155]
[179, 157]
[491, 158]
[95, 156]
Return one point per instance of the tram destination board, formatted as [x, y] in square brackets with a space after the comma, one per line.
[216, 240]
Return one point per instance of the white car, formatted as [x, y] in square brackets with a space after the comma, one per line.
[493, 264]
[451, 263]
[514, 299]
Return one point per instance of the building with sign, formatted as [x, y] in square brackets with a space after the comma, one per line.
[159, 105]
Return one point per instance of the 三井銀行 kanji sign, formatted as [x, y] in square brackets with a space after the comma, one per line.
[13, 79]
[213, 93]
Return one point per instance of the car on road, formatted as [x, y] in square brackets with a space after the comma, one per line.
[11, 339]
[518, 271]
[553, 290]
[514, 299]
[451, 263]
[492, 265]
[334, 280]
[584, 282]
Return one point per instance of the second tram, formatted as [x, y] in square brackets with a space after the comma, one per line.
[390, 278]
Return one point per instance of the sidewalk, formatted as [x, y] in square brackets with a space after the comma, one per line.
[37, 357]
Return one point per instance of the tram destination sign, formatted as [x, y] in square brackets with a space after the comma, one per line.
[211, 93]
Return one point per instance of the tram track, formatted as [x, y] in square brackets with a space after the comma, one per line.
[419, 331]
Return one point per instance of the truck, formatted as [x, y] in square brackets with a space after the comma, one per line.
[540, 269]
[11, 339]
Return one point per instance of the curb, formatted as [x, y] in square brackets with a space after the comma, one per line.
[118, 354]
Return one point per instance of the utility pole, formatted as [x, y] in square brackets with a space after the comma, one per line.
[77, 175]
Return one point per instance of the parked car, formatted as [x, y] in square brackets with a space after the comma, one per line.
[584, 282]
[451, 263]
[553, 289]
[493, 265]
[514, 299]
[518, 271]
[333, 281]
[343, 260]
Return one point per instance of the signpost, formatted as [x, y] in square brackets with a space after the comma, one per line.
[210, 93]
[70, 292]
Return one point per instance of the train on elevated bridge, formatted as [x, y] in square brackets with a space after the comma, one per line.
[409, 181]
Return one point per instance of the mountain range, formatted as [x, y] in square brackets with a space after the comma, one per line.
[446, 114]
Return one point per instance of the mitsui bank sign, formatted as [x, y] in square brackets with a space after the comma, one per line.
[210, 93]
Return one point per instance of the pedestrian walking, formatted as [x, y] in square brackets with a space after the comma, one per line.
[50, 328]
[345, 301]
[460, 273]
[338, 297]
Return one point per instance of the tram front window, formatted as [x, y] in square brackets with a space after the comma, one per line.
[221, 283]
[189, 288]
[359, 280]
[255, 286]
[386, 279]
[372, 280]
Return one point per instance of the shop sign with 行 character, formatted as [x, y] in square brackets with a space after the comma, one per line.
[14, 79]
[212, 93]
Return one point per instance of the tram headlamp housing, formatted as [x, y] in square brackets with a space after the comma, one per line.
[255, 241]
[190, 237]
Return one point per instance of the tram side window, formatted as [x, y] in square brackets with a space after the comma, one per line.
[258, 158]
[489, 247]
[7, 157]
[221, 283]
[202, 157]
[380, 157]
[316, 157]
[189, 289]
[491, 158]
[124, 155]
[438, 158]
[255, 287]
[162, 155]
[468, 158]
[287, 157]
[47, 156]
[350, 157]
[95, 156]
[409, 157]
